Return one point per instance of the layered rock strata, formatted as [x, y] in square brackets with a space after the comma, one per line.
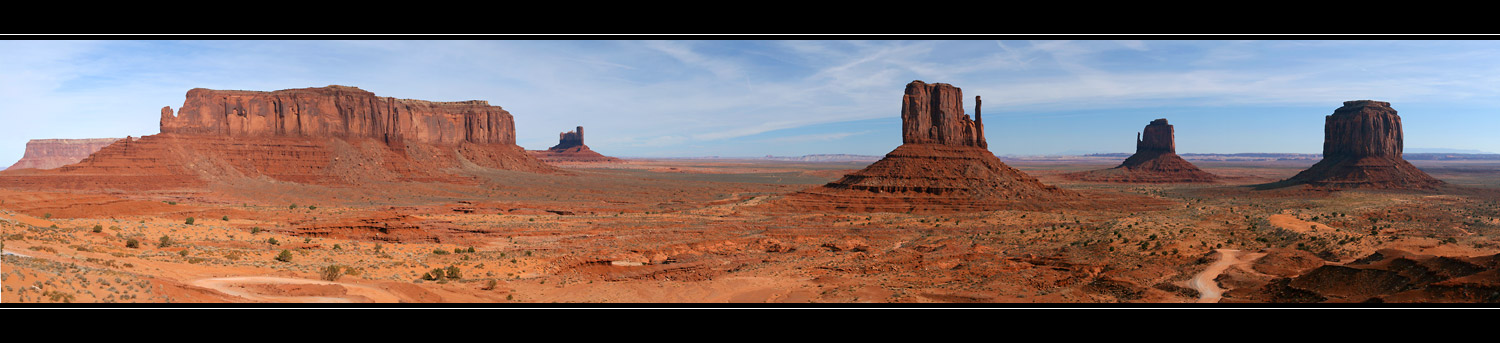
[943, 166]
[1155, 161]
[570, 148]
[334, 135]
[1362, 146]
[53, 153]
[338, 111]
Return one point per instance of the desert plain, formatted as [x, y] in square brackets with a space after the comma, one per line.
[697, 231]
[332, 195]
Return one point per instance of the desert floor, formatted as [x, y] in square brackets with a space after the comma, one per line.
[700, 231]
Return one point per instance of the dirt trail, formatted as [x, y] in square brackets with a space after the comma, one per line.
[1208, 289]
[354, 293]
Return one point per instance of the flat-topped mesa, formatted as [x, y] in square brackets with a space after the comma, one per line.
[1362, 128]
[1157, 137]
[338, 111]
[569, 139]
[934, 114]
[1362, 149]
[53, 153]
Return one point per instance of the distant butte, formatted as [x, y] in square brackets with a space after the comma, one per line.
[1155, 161]
[53, 153]
[335, 135]
[943, 165]
[1362, 146]
[570, 148]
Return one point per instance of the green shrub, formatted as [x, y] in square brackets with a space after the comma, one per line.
[98, 228]
[293, 207]
[190, 221]
[439, 251]
[272, 241]
[285, 256]
[255, 230]
[332, 273]
[132, 243]
[471, 249]
[226, 218]
[165, 241]
[47, 216]
[453, 273]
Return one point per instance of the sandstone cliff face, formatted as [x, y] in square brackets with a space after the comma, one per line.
[934, 114]
[1362, 146]
[1362, 128]
[328, 136]
[337, 111]
[1157, 137]
[53, 153]
[943, 166]
[1155, 161]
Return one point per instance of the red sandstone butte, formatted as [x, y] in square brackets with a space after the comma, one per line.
[53, 153]
[570, 148]
[1362, 148]
[1155, 161]
[328, 135]
[943, 165]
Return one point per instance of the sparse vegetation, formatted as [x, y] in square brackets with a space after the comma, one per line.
[332, 272]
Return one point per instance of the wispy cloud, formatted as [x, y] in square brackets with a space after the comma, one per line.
[642, 97]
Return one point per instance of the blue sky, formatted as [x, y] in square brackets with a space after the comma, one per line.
[793, 97]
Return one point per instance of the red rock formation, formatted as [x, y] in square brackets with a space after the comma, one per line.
[53, 153]
[569, 139]
[1386, 276]
[943, 166]
[934, 114]
[338, 111]
[1362, 146]
[334, 135]
[570, 148]
[1155, 161]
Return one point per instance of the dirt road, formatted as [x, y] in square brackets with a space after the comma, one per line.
[236, 286]
[1208, 289]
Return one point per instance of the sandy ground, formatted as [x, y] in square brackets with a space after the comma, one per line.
[694, 234]
[344, 293]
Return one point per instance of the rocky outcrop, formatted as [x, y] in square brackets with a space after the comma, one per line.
[338, 111]
[569, 139]
[53, 153]
[329, 136]
[943, 166]
[1362, 146]
[1155, 161]
[570, 148]
[934, 114]
[1387, 276]
[1158, 136]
